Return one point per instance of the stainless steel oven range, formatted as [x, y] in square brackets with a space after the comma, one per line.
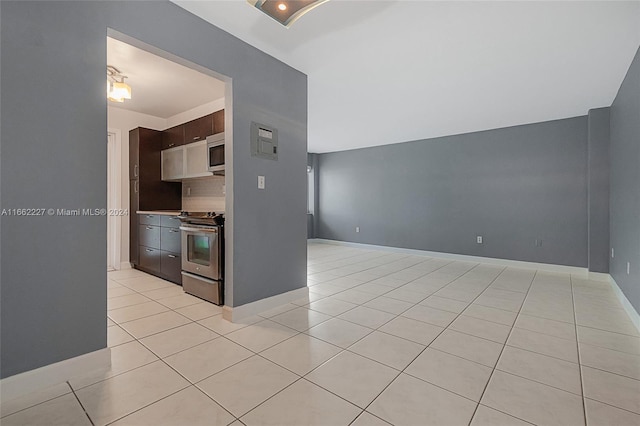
[203, 255]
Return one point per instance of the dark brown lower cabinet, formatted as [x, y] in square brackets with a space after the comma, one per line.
[171, 267]
[170, 240]
[150, 258]
[149, 236]
[160, 246]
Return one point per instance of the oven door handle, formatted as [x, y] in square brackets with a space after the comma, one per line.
[210, 230]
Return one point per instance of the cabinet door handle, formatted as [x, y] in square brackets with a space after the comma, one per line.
[135, 170]
[173, 256]
[148, 227]
[149, 250]
[135, 187]
[174, 230]
[149, 216]
[171, 144]
[196, 138]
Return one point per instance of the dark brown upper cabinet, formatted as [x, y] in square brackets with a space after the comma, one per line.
[145, 147]
[173, 137]
[218, 121]
[198, 129]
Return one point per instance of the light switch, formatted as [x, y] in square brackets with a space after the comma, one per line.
[260, 182]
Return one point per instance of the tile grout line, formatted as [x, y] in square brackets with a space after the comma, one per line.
[80, 402]
[613, 406]
[371, 414]
[608, 331]
[502, 350]
[611, 372]
[575, 326]
[148, 405]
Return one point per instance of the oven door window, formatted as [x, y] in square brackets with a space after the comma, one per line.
[199, 249]
[216, 156]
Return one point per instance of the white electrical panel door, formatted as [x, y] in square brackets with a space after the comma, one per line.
[196, 164]
[173, 163]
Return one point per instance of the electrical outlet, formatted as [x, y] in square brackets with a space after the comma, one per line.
[357, 229]
[479, 239]
[628, 267]
[261, 183]
[612, 252]
[538, 242]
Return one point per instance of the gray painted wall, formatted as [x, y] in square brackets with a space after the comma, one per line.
[511, 185]
[625, 184]
[598, 189]
[53, 122]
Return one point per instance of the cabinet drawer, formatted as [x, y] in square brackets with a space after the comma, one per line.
[150, 258]
[149, 219]
[169, 221]
[170, 240]
[171, 267]
[149, 236]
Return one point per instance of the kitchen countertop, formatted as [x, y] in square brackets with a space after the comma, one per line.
[160, 212]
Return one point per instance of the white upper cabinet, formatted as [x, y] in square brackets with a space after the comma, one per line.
[186, 161]
[173, 163]
[196, 164]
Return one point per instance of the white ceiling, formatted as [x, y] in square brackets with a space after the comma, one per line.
[382, 72]
[160, 87]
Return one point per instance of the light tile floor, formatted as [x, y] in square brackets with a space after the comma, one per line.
[383, 338]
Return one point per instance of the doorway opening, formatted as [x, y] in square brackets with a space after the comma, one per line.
[167, 94]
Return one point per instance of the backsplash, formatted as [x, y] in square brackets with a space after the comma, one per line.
[203, 194]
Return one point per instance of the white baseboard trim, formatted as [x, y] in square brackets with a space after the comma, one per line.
[237, 313]
[53, 374]
[599, 276]
[628, 307]
[125, 265]
[581, 272]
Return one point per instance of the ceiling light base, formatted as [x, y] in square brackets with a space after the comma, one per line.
[286, 12]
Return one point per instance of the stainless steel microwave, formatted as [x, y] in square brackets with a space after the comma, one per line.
[215, 153]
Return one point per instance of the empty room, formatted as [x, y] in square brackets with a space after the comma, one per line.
[320, 212]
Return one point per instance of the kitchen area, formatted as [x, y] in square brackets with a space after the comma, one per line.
[167, 172]
[177, 194]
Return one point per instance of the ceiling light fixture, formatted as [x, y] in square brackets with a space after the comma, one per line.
[285, 12]
[117, 89]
